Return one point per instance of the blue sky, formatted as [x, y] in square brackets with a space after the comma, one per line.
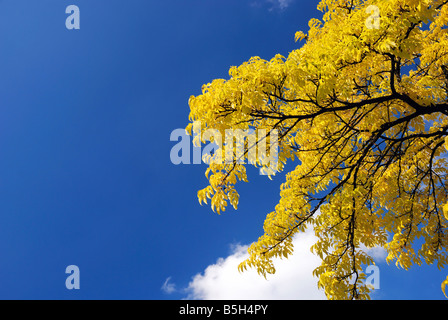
[85, 172]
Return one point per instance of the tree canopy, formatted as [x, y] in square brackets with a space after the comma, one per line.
[361, 106]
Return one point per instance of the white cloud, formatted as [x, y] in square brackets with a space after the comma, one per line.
[274, 4]
[378, 254]
[282, 4]
[293, 279]
[168, 287]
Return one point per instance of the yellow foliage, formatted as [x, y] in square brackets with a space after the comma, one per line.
[364, 113]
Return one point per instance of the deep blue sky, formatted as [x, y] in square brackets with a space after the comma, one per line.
[85, 120]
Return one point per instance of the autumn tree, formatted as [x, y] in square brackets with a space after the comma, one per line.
[362, 108]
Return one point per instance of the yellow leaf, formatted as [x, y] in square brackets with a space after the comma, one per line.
[444, 284]
[299, 36]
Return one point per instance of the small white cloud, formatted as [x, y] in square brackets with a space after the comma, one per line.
[282, 4]
[293, 279]
[168, 287]
[275, 4]
[378, 254]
